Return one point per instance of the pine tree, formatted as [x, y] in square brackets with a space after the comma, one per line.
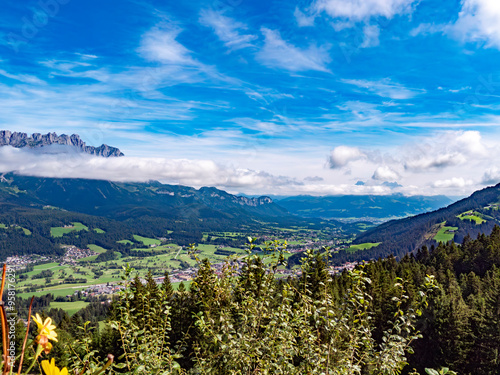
[166, 286]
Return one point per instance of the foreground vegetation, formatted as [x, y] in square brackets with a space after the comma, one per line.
[439, 307]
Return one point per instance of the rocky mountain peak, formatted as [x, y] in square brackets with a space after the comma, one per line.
[36, 140]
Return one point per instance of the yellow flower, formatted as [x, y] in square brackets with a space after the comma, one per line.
[50, 368]
[46, 328]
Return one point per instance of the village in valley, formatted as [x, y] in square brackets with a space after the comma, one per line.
[80, 272]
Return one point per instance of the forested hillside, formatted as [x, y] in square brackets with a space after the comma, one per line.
[476, 214]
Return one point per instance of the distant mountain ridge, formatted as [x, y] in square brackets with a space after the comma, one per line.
[123, 201]
[366, 207]
[36, 140]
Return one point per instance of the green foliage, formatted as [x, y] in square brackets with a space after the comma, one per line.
[254, 324]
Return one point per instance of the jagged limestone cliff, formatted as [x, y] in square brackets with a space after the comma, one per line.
[35, 140]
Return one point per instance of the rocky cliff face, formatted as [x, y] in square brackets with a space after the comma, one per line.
[20, 140]
[243, 201]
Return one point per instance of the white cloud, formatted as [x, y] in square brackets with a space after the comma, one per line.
[359, 10]
[342, 155]
[264, 127]
[314, 179]
[175, 171]
[491, 176]
[385, 173]
[428, 28]
[447, 162]
[160, 45]
[385, 88]
[303, 19]
[24, 78]
[227, 30]
[479, 21]
[446, 150]
[425, 162]
[278, 53]
[196, 173]
[371, 35]
[454, 182]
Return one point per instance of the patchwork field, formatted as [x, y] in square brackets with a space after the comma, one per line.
[69, 307]
[362, 246]
[60, 231]
[67, 279]
[445, 234]
[26, 231]
[146, 241]
[472, 216]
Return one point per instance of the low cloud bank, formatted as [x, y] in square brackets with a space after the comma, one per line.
[194, 173]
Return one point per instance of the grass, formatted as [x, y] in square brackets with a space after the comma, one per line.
[69, 307]
[362, 246]
[98, 230]
[444, 234]
[27, 232]
[172, 258]
[62, 292]
[147, 241]
[97, 249]
[472, 216]
[60, 231]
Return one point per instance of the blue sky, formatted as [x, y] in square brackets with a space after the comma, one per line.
[310, 97]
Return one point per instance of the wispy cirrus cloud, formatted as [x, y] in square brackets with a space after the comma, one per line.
[231, 32]
[429, 28]
[385, 88]
[302, 18]
[24, 78]
[278, 53]
[160, 45]
[371, 36]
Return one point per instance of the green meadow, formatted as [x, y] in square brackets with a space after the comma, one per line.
[362, 246]
[60, 231]
[472, 216]
[69, 307]
[26, 231]
[146, 241]
[445, 234]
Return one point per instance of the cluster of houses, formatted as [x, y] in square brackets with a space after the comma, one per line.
[18, 262]
[97, 290]
[74, 253]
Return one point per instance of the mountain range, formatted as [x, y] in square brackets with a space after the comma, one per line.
[38, 141]
[374, 208]
[122, 201]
